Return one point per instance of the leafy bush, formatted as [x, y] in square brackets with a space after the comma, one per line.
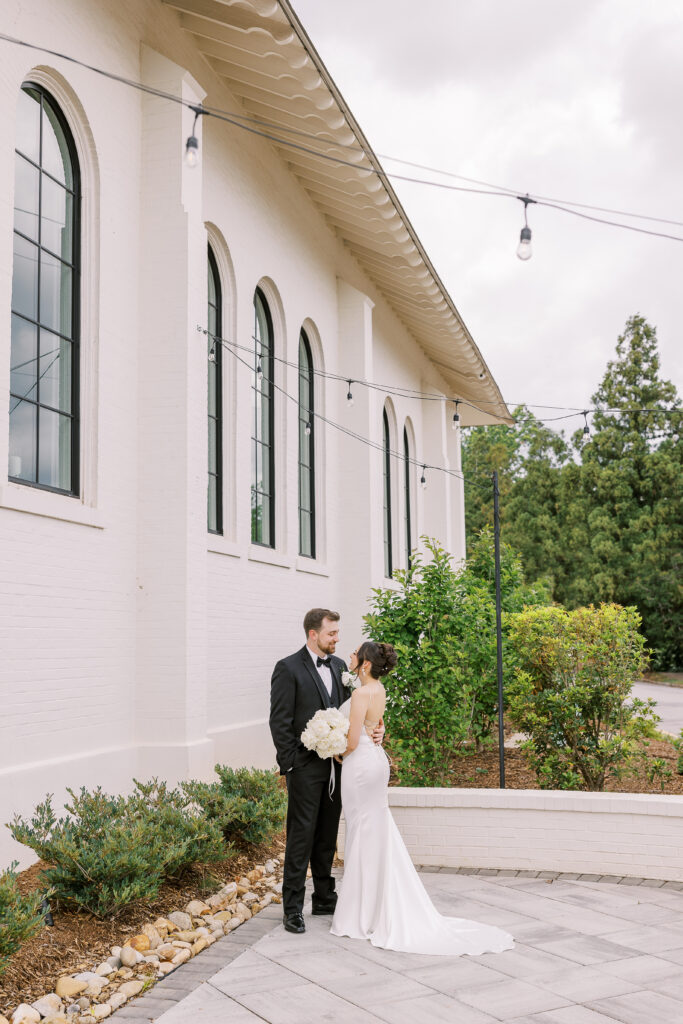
[196, 838]
[443, 692]
[246, 804]
[20, 916]
[570, 693]
[678, 744]
[110, 850]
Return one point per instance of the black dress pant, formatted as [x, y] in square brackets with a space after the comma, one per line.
[312, 826]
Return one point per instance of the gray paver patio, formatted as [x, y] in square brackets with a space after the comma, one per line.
[586, 952]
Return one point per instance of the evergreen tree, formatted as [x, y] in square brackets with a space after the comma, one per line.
[600, 516]
[624, 503]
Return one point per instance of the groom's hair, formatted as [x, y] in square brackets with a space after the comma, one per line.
[314, 619]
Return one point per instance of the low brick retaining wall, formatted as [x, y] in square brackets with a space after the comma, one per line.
[621, 834]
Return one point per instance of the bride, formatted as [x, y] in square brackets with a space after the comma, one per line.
[382, 898]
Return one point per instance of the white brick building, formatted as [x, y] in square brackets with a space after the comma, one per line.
[135, 641]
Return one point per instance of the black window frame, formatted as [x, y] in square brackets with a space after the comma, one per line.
[407, 502]
[306, 444]
[264, 356]
[215, 343]
[386, 479]
[75, 266]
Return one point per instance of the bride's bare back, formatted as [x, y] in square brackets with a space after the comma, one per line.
[377, 701]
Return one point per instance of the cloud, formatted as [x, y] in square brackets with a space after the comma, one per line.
[576, 100]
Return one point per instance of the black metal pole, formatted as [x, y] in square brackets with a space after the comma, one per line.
[499, 634]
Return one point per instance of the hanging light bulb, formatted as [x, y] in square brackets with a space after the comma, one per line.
[308, 428]
[586, 428]
[349, 396]
[524, 247]
[212, 352]
[423, 479]
[456, 415]
[192, 143]
[191, 151]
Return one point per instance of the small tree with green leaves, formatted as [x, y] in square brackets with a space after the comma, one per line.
[443, 692]
[20, 915]
[571, 693]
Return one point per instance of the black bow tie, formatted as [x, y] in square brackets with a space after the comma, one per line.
[323, 661]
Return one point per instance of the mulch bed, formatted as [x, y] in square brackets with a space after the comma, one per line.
[480, 771]
[78, 941]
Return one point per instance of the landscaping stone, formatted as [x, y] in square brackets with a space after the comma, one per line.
[195, 908]
[152, 934]
[105, 969]
[182, 956]
[69, 988]
[180, 920]
[139, 942]
[132, 988]
[101, 1011]
[129, 956]
[25, 1014]
[117, 999]
[49, 1004]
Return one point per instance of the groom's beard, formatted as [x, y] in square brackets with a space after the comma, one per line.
[328, 648]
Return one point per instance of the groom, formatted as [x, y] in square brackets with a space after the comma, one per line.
[302, 684]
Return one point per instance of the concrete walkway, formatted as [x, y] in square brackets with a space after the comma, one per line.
[587, 951]
[669, 704]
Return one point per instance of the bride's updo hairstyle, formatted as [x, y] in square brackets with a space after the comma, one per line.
[382, 657]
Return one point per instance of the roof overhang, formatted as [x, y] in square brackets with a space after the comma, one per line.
[263, 53]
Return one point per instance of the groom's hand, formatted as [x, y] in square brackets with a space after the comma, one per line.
[378, 733]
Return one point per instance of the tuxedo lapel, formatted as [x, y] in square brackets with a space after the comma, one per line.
[338, 692]
[315, 676]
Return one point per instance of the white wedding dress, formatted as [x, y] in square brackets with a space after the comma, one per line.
[382, 898]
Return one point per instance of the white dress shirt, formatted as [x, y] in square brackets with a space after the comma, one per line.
[324, 671]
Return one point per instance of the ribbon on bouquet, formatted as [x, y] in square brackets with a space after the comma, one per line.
[333, 779]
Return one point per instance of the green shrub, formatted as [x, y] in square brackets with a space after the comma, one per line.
[443, 692]
[247, 804]
[678, 744]
[110, 851]
[571, 690]
[20, 916]
[170, 811]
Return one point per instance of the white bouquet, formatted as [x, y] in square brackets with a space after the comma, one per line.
[326, 732]
[350, 680]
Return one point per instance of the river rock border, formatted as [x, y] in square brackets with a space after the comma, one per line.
[156, 951]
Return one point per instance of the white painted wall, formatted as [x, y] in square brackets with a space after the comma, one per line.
[132, 641]
[626, 834]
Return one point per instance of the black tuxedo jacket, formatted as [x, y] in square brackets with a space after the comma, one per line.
[296, 693]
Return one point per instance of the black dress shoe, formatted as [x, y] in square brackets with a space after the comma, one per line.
[294, 923]
[328, 907]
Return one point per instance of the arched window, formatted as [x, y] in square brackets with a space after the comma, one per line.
[386, 461]
[43, 408]
[407, 497]
[306, 450]
[215, 399]
[262, 438]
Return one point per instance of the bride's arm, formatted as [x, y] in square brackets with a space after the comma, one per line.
[359, 707]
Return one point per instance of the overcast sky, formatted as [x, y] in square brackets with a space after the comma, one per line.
[578, 100]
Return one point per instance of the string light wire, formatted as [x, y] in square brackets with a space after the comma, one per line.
[376, 445]
[250, 125]
[569, 412]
